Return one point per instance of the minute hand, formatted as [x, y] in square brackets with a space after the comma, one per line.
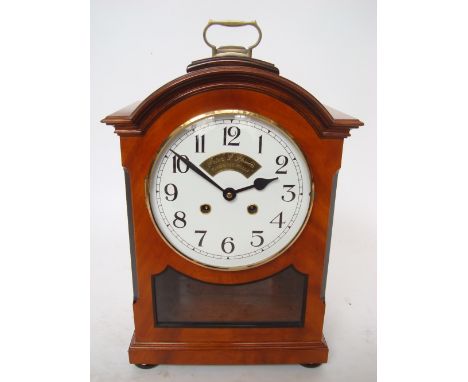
[258, 184]
[194, 168]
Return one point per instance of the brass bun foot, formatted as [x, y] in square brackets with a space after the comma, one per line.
[311, 365]
[145, 365]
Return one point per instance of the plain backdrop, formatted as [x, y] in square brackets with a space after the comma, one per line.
[326, 46]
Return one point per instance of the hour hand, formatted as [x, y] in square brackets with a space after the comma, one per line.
[195, 169]
[258, 184]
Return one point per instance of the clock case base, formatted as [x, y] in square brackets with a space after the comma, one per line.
[227, 353]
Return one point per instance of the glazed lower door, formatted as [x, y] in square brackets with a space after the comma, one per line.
[276, 301]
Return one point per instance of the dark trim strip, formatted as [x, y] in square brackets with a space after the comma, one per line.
[329, 235]
[131, 237]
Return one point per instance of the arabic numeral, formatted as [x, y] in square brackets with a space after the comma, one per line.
[200, 143]
[178, 165]
[227, 245]
[278, 219]
[232, 132]
[256, 234]
[289, 192]
[179, 221]
[200, 242]
[282, 161]
[171, 192]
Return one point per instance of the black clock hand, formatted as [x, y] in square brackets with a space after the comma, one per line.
[195, 169]
[259, 184]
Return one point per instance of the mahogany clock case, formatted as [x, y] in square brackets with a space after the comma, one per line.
[254, 86]
[287, 330]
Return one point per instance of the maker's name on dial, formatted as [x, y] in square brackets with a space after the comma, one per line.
[241, 163]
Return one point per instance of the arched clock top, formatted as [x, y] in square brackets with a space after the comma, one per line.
[219, 73]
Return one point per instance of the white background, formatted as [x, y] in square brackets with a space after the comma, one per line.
[44, 196]
[329, 48]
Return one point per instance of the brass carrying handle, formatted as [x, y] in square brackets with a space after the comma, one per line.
[232, 50]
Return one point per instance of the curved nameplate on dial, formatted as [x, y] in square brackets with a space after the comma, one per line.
[238, 162]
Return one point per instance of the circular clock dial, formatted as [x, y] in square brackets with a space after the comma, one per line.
[230, 190]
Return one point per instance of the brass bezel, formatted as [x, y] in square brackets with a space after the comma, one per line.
[164, 145]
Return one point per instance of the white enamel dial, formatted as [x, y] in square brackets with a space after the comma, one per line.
[230, 190]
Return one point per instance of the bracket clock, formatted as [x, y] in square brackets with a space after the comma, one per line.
[230, 173]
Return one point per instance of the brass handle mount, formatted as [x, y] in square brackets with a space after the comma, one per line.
[232, 50]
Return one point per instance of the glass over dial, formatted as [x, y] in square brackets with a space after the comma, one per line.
[230, 190]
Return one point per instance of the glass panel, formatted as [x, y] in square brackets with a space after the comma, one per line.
[277, 301]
